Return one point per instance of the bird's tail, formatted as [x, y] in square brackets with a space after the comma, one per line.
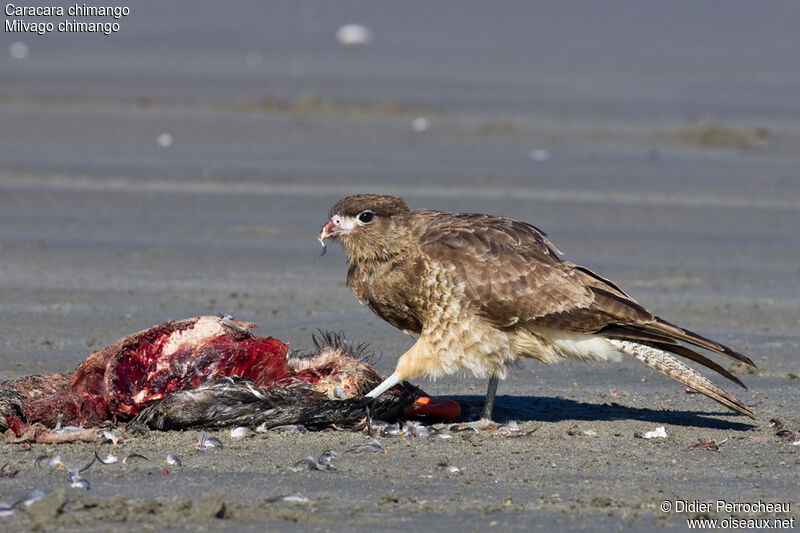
[664, 362]
[678, 333]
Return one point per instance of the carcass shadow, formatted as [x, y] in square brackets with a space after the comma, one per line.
[543, 409]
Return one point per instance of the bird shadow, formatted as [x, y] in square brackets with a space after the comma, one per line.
[544, 409]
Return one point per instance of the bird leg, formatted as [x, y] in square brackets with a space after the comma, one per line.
[385, 385]
[414, 362]
[485, 422]
[488, 404]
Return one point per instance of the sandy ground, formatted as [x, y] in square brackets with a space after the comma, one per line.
[656, 145]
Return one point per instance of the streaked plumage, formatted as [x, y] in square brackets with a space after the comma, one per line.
[481, 292]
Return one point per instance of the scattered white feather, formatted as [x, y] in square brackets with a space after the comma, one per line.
[539, 155]
[240, 432]
[109, 436]
[110, 459]
[296, 498]
[18, 50]
[165, 140]
[659, 432]
[420, 124]
[353, 34]
[33, 497]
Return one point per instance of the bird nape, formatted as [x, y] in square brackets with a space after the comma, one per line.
[481, 292]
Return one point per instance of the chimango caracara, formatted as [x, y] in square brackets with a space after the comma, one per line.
[481, 292]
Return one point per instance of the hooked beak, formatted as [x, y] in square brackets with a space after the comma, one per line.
[326, 231]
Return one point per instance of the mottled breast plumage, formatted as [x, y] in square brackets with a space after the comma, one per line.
[388, 289]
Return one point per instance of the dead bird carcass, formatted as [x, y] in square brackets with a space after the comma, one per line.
[211, 371]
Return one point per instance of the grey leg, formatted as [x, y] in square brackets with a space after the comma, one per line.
[485, 423]
[488, 404]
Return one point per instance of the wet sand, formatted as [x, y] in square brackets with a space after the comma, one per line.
[657, 147]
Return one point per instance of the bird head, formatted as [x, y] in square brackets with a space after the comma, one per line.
[365, 224]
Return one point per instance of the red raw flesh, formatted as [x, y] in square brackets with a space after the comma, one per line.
[14, 423]
[315, 375]
[84, 410]
[135, 370]
[260, 359]
[146, 375]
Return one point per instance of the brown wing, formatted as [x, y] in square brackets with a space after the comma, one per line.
[513, 274]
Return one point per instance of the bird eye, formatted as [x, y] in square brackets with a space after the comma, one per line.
[365, 217]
